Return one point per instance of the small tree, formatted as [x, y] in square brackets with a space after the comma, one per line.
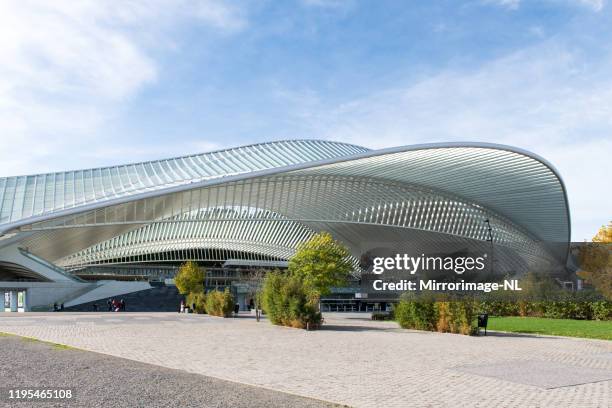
[255, 282]
[321, 262]
[190, 278]
[596, 261]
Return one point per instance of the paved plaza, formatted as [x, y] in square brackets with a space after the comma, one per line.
[352, 361]
[99, 380]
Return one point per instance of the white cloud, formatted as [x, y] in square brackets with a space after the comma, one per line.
[545, 94]
[596, 5]
[222, 15]
[326, 3]
[68, 67]
[545, 99]
[509, 4]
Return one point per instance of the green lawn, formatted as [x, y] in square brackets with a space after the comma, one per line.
[557, 327]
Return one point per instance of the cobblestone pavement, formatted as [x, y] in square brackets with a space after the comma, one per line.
[352, 361]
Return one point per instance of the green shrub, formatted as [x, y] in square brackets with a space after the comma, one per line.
[219, 303]
[403, 314]
[444, 316]
[199, 299]
[567, 309]
[416, 313]
[426, 313]
[501, 304]
[602, 310]
[463, 317]
[554, 303]
[500, 308]
[289, 301]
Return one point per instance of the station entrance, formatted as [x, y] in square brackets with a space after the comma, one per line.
[14, 300]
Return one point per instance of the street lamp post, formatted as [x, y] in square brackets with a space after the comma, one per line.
[490, 239]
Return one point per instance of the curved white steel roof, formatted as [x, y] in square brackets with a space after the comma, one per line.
[447, 188]
[22, 197]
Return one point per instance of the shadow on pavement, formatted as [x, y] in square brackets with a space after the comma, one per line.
[517, 335]
[342, 327]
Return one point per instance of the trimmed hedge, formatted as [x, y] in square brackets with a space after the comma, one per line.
[542, 297]
[570, 305]
[602, 310]
[289, 301]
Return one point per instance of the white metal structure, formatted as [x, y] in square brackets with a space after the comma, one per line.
[261, 201]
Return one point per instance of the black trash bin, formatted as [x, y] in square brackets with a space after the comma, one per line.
[483, 320]
[236, 309]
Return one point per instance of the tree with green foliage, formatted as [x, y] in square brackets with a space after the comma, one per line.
[321, 262]
[255, 281]
[538, 287]
[190, 278]
[596, 261]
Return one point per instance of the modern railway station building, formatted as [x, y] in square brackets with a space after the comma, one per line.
[65, 235]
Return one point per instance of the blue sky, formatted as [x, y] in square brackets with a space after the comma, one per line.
[92, 83]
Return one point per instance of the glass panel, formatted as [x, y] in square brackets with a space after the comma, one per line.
[18, 200]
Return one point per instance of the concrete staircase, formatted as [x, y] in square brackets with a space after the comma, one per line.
[107, 289]
[156, 299]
